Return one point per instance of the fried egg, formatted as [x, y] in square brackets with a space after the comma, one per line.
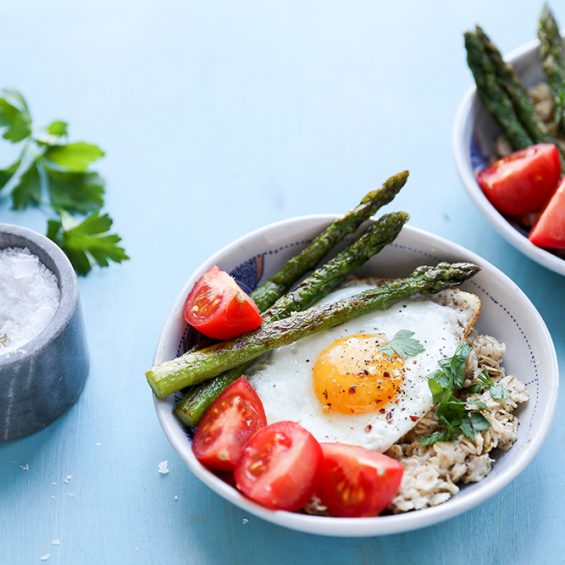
[341, 387]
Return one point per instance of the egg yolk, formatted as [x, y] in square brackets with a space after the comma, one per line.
[352, 376]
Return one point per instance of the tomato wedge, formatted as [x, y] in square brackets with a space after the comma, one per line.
[356, 482]
[522, 182]
[549, 230]
[218, 308]
[227, 425]
[280, 466]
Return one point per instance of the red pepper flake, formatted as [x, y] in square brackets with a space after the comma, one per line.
[386, 374]
[352, 389]
[382, 411]
[368, 428]
[414, 418]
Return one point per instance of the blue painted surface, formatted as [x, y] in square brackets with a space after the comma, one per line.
[218, 117]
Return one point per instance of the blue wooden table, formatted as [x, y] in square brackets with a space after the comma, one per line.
[219, 117]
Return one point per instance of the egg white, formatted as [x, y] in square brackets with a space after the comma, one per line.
[284, 380]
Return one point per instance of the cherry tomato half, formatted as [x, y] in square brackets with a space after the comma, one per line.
[227, 425]
[280, 466]
[549, 230]
[356, 482]
[218, 308]
[522, 182]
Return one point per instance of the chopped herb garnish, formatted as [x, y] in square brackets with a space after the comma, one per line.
[484, 379]
[434, 438]
[403, 344]
[478, 404]
[497, 391]
[455, 416]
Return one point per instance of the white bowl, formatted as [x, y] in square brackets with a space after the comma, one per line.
[507, 314]
[474, 136]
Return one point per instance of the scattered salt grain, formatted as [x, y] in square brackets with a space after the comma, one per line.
[53, 484]
[56, 541]
[164, 467]
[98, 444]
[30, 297]
[176, 497]
[25, 467]
[71, 494]
[68, 479]
[244, 521]
[45, 557]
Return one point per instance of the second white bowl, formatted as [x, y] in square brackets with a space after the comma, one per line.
[474, 137]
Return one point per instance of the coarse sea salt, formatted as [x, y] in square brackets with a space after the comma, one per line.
[29, 298]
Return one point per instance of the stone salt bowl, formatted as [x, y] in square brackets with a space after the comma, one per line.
[42, 379]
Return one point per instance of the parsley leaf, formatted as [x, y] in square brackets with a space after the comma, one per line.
[58, 128]
[88, 242]
[484, 379]
[454, 415]
[454, 367]
[402, 344]
[497, 391]
[73, 157]
[7, 173]
[479, 422]
[28, 190]
[434, 438]
[75, 192]
[478, 404]
[14, 116]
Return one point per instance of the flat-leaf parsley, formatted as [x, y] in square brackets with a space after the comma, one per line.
[56, 175]
[403, 344]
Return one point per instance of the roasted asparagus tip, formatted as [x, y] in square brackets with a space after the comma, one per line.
[442, 274]
[389, 189]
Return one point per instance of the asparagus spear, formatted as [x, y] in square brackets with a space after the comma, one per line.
[322, 281]
[266, 295]
[197, 366]
[509, 80]
[551, 54]
[492, 95]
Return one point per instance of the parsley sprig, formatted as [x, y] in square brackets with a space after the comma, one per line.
[403, 344]
[55, 174]
[455, 416]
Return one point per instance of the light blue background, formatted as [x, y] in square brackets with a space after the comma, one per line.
[219, 117]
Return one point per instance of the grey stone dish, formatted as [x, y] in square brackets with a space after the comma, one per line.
[40, 381]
